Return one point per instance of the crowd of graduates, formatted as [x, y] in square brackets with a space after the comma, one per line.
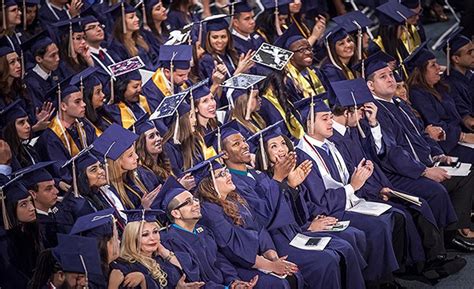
[164, 177]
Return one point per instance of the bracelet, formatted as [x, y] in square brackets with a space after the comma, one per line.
[170, 255]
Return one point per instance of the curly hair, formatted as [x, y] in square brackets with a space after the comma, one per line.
[161, 166]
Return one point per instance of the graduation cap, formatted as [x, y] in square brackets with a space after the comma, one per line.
[4, 50]
[260, 138]
[393, 13]
[112, 143]
[170, 189]
[169, 105]
[354, 21]
[36, 173]
[5, 5]
[412, 4]
[374, 62]
[68, 27]
[97, 224]
[175, 57]
[308, 107]
[37, 42]
[12, 112]
[238, 6]
[80, 161]
[331, 37]
[279, 6]
[85, 78]
[418, 57]
[142, 125]
[452, 43]
[243, 81]
[217, 136]
[205, 169]
[60, 92]
[119, 10]
[142, 215]
[78, 254]
[11, 191]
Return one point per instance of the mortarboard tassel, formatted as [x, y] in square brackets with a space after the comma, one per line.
[199, 34]
[172, 72]
[59, 101]
[363, 69]
[6, 220]
[112, 93]
[448, 58]
[72, 53]
[359, 40]
[106, 164]
[277, 20]
[311, 116]
[145, 23]
[124, 24]
[248, 113]
[81, 86]
[214, 181]
[176, 130]
[326, 42]
[4, 14]
[22, 59]
[116, 248]
[219, 142]
[358, 122]
[191, 101]
[24, 16]
[85, 272]
[263, 153]
[74, 180]
[231, 13]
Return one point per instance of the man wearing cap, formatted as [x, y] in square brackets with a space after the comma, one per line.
[186, 237]
[461, 76]
[409, 154]
[243, 27]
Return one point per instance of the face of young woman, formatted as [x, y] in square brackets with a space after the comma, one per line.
[255, 102]
[128, 160]
[207, 106]
[277, 148]
[113, 249]
[149, 239]
[132, 93]
[153, 142]
[79, 42]
[218, 40]
[159, 12]
[224, 182]
[98, 96]
[96, 175]
[14, 65]
[192, 121]
[25, 210]
[345, 48]
[432, 75]
[13, 15]
[132, 22]
[23, 128]
[31, 14]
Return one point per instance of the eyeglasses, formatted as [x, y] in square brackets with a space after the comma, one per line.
[189, 201]
[303, 49]
[223, 173]
[92, 27]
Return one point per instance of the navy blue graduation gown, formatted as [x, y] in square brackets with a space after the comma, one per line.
[49, 15]
[214, 268]
[70, 209]
[153, 40]
[118, 51]
[332, 73]
[244, 45]
[462, 90]
[177, 19]
[294, 93]
[174, 154]
[381, 258]
[269, 200]
[404, 168]
[50, 147]
[134, 193]
[113, 111]
[13, 41]
[38, 87]
[444, 114]
[48, 228]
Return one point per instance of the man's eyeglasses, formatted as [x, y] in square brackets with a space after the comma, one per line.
[189, 201]
[303, 50]
[92, 27]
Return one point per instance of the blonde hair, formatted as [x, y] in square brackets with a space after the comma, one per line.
[130, 251]
[239, 112]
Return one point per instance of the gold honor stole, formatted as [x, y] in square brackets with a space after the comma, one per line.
[301, 27]
[66, 138]
[297, 130]
[378, 41]
[303, 84]
[126, 114]
[160, 81]
[411, 39]
[208, 152]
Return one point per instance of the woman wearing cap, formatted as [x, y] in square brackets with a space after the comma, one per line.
[341, 56]
[30, 22]
[180, 14]
[126, 40]
[205, 107]
[430, 97]
[158, 31]
[246, 109]
[20, 241]
[9, 19]
[17, 133]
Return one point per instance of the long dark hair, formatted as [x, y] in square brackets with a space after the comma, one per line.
[161, 166]
[81, 63]
[85, 190]
[162, 37]
[10, 135]
[46, 267]
[265, 23]
[259, 160]
[391, 42]
[345, 68]
[229, 49]
[417, 80]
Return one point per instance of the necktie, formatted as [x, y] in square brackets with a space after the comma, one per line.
[326, 149]
[329, 160]
[101, 54]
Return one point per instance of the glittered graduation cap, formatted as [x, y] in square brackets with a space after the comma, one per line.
[80, 162]
[120, 10]
[393, 13]
[452, 43]
[35, 174]
[217, 136]
[12, 112]
[142, 215]
[331, 37]
[205, 169]
[308, 107]
[11, 191]
[85, 78]
[374, 62]
[112, 143]
[418, 57]
[259, 139]
[355, 21]
[78, 254]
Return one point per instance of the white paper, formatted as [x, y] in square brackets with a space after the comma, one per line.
[463, 170]
[300, 240]
[370, 208]
[340, 226]
[408, 198]
[469, 145]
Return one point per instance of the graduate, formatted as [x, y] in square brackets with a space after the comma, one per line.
[180, 14]
[155, 27]
[141, 251]
[197, 242]
[431, 98]
[68, 133]
[246, 110]
[128, 103]
[172, 76]
[458, 76]
[134, 185]
[415, 34]
[56, 10]
[126, 40]
[205, 106]
[19, 234]
[409, 155]
[357, 24]
[332, 188]
[274, 212]
[29, 18]
[11, 17]
[41, 186]
[272, 21]
[243, 27]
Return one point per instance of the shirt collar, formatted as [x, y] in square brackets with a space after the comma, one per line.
[43, 74]
[238, 172]
[41, 212]
[314, 141]
[183, 229]
[246, 38]
[95, 50]
[339, 127]
[381, 99]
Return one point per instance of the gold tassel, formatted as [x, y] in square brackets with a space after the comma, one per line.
[6, 221]
[448, 58]
[263, 154]
[219, 143]
[330, 54]
[311, 116]
[22, 58]
[112, 93]
[358, 123]
[145, 23]
[359, 44]
[172, 72]
[72, 53]
[74, 180]
[81, 86]
[59, 102]
[4, 14]
[363, 69]
[248, 113]
[124, 23]
[277, 20]
[176, 130]
[214, 181]
[106, 164]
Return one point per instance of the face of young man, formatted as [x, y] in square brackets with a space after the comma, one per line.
[244, 23]
[237, 149]
[383, 83]
[74, 105]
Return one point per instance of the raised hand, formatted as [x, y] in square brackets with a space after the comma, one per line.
[299, 173]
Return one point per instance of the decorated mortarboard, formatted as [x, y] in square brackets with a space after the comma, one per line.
[418, 57]
[37, 42]
[451, 43]
[243, 81]
[373, 63]
[393, 13]
[272, 56]
[291, 35]
[142, 125]
[97, 224]
[80, 162]
[143, 215]
[168, 106]
[126, 66]
[119, 10]
[184, 35]
[36, 173]
[170, 189]
[259, 138]
[11, 191]
[412, 4]
[353, 21]
[217, 136]
[238, 6]
[78, 254]
[12, 112]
